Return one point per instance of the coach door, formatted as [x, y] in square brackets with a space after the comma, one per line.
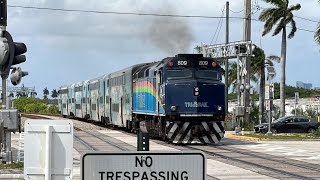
[121, 109]
[110, 109]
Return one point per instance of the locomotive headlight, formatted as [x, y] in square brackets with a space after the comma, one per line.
[173, 108]
[219, 108]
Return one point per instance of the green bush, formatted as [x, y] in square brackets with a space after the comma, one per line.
[33, 105]
[317, 133]
[23, 104]
[36, 108]
[53, 109]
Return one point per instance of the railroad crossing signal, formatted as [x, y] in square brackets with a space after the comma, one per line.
[11, 53]
[231, 50]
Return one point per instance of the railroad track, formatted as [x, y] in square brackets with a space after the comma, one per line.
[90, 139]
[269, 165]
[96, 135]
[265, 164]
[33, 116]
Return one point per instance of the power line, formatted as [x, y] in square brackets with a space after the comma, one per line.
[219, 31]
[299, 17]
[236, 11]
[219, 24]
[307, 19]
[307, 30]
[136, 14]
[118, 13]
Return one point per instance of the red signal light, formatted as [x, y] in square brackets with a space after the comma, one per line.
[214, 64]
[170, 64]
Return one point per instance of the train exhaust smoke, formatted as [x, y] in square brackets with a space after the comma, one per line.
[172, 35]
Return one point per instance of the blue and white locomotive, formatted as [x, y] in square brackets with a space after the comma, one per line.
[179, 99]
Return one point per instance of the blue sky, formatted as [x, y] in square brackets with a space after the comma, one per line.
[67, 47]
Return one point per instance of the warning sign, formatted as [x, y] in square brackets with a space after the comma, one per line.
[144, 165]
[268, 104]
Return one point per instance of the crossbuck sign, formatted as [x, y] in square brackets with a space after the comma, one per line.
[144, 166]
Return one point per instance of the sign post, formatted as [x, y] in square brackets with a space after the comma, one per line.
[144, 165]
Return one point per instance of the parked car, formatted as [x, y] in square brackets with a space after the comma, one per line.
[289, 124]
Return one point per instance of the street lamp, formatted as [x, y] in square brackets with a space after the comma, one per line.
[271, 74]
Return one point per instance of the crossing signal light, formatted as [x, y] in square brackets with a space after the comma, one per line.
[20, 48]
[11, 53]
[16, 75]
[241, 49]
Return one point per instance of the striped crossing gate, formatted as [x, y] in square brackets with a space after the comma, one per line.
[181, 132]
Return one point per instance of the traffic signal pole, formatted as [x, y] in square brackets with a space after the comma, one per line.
[11, 53]
[3, 25]
[7, 134]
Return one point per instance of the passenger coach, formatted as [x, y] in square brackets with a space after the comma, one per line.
[179, 99]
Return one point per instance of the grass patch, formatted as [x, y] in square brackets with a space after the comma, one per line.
[12, 166]
[283, 136]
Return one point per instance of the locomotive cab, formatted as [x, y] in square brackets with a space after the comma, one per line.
[193, 87]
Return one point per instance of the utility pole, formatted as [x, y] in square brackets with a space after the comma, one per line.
[227, 60]
[246, 62]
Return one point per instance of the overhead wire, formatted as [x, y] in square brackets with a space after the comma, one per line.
[219, 32]
[299, 17]
[136, 14]
[219, 24]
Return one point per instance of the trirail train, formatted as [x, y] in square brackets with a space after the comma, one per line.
[179, 99]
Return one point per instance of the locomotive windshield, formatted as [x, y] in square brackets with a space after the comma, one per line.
[179, 73]
[207, 74]
[192, 73]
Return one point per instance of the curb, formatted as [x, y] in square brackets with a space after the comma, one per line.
[239, 137]
[11, 176]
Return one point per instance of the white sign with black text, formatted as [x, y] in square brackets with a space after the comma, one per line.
[144, 165]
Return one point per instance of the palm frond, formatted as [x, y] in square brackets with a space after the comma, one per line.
[279, 27]
[287, 3]
[267, 13]
[254, 79]
[278, 3]
[294, 7]
[293, 30]
[317, 33]
[289, 18]
[274, 58]
[268, 26]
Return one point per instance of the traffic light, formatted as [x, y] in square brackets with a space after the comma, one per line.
[11, 53]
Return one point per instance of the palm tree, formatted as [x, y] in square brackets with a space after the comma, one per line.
[258, 64]
[317, 33]
[232, 75]
[54, 93]
[45, 93]
[280, 15]
[11, 94]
